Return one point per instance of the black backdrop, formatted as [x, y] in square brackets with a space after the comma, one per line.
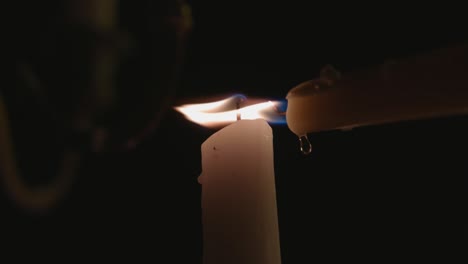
[372, 193]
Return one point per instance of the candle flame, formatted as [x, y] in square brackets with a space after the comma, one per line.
[225, 111]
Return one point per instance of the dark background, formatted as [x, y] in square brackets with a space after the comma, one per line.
[372, 193]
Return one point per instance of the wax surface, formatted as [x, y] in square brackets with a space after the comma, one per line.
[421, 87]
[240, 223]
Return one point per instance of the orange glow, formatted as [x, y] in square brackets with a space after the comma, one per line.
[224, 112]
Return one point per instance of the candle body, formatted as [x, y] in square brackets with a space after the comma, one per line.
[431, 85]
[240, 222]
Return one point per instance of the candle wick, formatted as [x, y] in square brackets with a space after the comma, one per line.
[238, 112]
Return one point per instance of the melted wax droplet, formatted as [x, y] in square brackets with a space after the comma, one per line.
[306, 147]
[200, 179]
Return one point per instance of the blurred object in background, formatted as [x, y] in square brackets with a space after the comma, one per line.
[84, 75]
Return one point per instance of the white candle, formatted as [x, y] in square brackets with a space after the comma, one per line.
[240, 223]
